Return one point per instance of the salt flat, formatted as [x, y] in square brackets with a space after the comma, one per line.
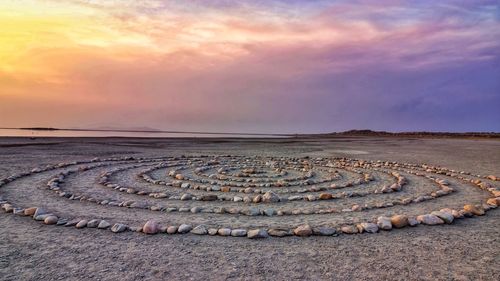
[144, 173]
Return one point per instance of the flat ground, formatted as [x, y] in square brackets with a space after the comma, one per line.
[468, 249]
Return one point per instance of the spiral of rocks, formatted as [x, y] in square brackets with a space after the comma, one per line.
[283, 196]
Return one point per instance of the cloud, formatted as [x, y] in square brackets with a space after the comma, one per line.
[286, 66]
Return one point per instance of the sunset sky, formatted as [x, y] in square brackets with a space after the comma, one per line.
[251, 66]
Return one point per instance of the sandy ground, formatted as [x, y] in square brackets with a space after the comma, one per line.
[466, 250]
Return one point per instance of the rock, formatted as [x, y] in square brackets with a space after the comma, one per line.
[225, 189]
[253, 212]
[39, 212]
[445, 216]
[237, 199]
[82, 224]
[50, 220]
[475, 210]
[184, 228]
[270, 197]
[30, 211]
[413, 222]
[72, 222]
[494, 201]
[325, 196]
[212, 231]
[430, 219]
[158, 195]
[492, 177]
[278, 232]
[41, 217]
[103, 225]
[195, 210]
[185, 185]
[303, 230]
[269, 212]
[155, 208]
[200, 230]
[150, 227]
[93, 223]
[384, 223]
[135, 228]
[118, 227]
[186, 197]
[8, 208]
[395, 187]
[172, 229]
[324, 231]
[211, 197]
[257, 233]
[355, 208]
[257, 199]
[368, 227]
[349, 229]
[399, 221]
[310, 197]
[224, 231]
[139, 205]
[238, 232]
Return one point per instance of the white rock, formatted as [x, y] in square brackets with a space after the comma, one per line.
[384, 223]
[238, 232]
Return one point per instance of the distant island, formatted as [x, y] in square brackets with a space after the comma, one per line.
[38, 129]
[371, 133]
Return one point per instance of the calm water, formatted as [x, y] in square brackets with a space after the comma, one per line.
[64, 133]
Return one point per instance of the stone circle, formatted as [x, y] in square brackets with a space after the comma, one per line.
[246, 196]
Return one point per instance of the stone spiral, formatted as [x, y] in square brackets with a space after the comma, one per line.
[254, 197]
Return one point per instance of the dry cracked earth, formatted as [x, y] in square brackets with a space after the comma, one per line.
[343, 208]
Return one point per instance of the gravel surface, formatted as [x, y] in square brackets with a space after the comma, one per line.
[465, 250]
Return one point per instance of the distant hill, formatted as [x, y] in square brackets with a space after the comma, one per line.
[416, 134]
